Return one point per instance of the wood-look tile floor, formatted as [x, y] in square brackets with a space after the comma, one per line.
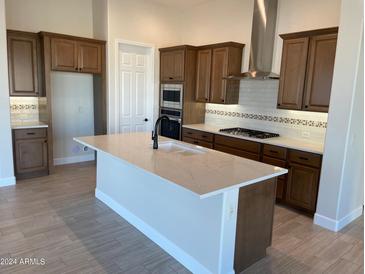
[58, 218]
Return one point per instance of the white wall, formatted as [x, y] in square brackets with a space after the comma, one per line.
[6, 154]
[66, 16]
[140, 21]
[73, 115]
[340, 193]
[100, 19]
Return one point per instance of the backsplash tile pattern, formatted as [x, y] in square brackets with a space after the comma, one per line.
[292, 121]
[257, 110]
[24, 108]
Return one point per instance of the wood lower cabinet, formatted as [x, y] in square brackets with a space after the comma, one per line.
[172, 65]
[76, 56]
[307, 70]
[30, 153]
[298, 188]
[302, 186]
[24, 63]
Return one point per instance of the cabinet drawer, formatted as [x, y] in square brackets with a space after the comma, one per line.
[30, 133]
[237, 152]
[275, 162]
[305, 158]
[275, 151]
[197, 134]
[237, 143]
[197, 142]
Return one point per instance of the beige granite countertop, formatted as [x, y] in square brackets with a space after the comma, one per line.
[282, 141]
[208, 173]
[27, 124]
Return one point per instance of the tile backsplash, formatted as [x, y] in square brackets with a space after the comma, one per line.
[26, 108]
[257, 110]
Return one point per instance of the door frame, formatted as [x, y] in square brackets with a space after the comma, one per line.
[150, 78]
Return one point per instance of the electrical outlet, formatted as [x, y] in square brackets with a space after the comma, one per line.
[306, 134]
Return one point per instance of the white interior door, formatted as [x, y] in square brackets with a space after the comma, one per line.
[135, 113]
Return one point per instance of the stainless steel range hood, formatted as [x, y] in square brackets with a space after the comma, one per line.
[262, 42]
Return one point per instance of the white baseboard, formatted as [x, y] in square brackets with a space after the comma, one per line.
[337, 225]
[73, 159]
[7, 181]
[180, 255]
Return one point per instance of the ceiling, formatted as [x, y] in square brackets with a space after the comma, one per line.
[181, 4]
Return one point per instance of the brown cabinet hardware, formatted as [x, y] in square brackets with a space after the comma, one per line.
[307, 70]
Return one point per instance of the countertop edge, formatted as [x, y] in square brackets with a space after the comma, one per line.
[201, 196]
[262, 141]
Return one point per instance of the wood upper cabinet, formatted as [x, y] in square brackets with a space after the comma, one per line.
[64, 54]
[307, 70]
[89, 57]
[172, 65]
[203, 75]
[24, 64]
[215, 62]
[73, 55]
[219, 70]
[321, 62]
[292, 73]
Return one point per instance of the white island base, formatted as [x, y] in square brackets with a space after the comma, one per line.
[199, 233]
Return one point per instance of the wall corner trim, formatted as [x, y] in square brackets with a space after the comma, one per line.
[9, 181]
[337, 225]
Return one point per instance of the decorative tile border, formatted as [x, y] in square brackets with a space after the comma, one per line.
[17, 107]
[276, 119]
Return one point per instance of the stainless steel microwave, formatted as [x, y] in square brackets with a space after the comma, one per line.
[172, 96]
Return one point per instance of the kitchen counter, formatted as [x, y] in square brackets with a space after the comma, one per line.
[281, 141]
[205, 174]
[27, 124]
[205, 208]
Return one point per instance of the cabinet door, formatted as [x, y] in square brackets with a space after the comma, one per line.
[321, 61]
[64, 54]
[31, 155]
[172, 65]
[23, 57]
[302, 186]
[89, 55]
[219, 70]
[292, 73]
[203, 75]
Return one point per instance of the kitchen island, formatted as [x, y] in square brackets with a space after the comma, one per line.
[211, 211]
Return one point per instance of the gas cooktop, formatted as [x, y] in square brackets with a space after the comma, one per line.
[249, 132]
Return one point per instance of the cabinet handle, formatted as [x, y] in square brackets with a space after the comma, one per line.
[171, 78]
[278, 105]
[30, 133]
[303, 158]
[45, 141]
[273, 151]
[196, 142]
[222, 100]
[76, 68]
[306, 106]
[189, 133]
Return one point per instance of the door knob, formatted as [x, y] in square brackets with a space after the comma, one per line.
[145, 119]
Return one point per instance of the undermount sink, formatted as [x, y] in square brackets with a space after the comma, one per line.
[175, 147]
